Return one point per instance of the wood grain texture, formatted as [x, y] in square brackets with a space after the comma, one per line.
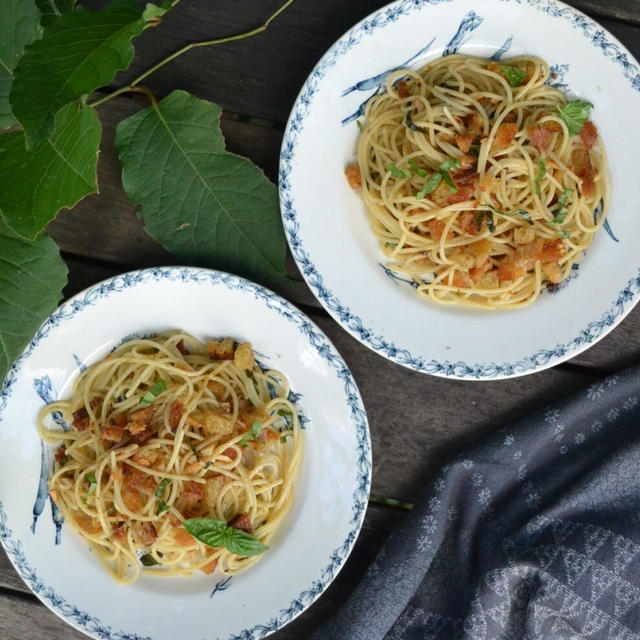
[261, 76]
[24, 618]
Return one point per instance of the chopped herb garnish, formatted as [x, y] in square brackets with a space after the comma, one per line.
[217, 533]
[560, 216]
[542, 172]
[282, 412]
[564, 234]
[359, 125]
[562, 212]
[148, 560]
[421, 172]
[256, 430]
[430, 185]
[564, 196]
[283, 438]
[522, 213]
[449, 163]
[398, 173]
[515, 77]
[414, 127]
[153, 392]
[93, 485]
[195, 451]
[490, 223]
[162, 505]
[574, 114]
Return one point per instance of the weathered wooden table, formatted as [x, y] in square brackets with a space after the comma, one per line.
[416, 421]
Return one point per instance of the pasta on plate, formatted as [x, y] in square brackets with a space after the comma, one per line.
[482, 183]
[180, 456]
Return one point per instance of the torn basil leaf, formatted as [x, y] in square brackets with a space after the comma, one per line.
[574, 114]
[515, 77]
[153, 392]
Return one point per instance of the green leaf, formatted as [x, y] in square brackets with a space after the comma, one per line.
[542, 172]
[208, 530]
[20, 26]
[152, 12]
[575, 114]
[78, 53]
[515, 77]
[153, 392]
[148, 560]
[430, 185]
[449, 163]
[414, 165]
[244, 544]
[217, 533]
[52, 9]
[205, 205]
[398, 173]
[256, 430]
[35, 185]
[32, 276]
[93, 485]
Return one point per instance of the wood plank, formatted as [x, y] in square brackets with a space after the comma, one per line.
[261, 76]
[23, 617]
[622, 10]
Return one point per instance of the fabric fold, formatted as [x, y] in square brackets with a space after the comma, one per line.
[535, 533]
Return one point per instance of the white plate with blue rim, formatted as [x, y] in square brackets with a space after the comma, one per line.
[330, 496]
[325, 220]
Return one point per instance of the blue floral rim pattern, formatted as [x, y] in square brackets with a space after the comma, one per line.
[84, 620]
[542, 358]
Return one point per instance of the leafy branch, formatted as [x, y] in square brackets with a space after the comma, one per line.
[193, 45]
[207, 206]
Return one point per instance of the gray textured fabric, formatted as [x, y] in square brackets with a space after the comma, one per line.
[534, 534]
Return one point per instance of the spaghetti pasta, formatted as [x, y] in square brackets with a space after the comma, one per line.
[169, 434]
[482, 183]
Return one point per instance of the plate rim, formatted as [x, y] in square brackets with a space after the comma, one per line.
[91, 625]
[541, 359]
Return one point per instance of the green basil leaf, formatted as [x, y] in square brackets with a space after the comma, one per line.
[33, 275]
[574, 114]
[244, 544]
[20, 27]
[256, 429]
[430, 185]
[449, 181]
[560, 216]
[450, 163]
[153, 392]
[421, 172]
[225, 213]
[93, 485]
[542, 171]
[148, 560]
[208, 530]
[161, 487]
[515, 77]
[564, 234]
[398, 173]
[564, 196]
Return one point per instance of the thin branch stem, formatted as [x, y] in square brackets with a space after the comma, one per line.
[189, 47]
